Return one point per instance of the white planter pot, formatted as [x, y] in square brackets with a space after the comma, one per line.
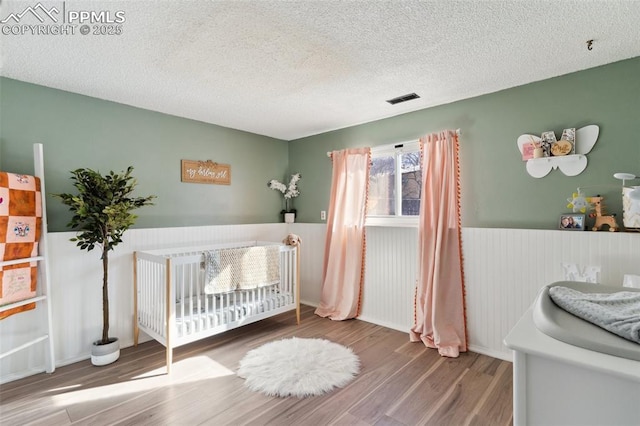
[289, 217]
[105, 354]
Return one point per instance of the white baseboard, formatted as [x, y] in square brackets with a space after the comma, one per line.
[22, 374]
[392, 326]
[492, 353]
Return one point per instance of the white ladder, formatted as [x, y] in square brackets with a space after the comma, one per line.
[44, 285]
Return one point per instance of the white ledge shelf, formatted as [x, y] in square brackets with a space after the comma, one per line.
[570, 165]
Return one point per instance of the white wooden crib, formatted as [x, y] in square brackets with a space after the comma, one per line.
[186, 294]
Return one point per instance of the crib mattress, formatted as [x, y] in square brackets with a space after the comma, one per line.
[204, 317]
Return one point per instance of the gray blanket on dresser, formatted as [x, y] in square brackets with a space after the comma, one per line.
[618, 312]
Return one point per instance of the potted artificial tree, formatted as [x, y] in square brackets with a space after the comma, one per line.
[101, 214]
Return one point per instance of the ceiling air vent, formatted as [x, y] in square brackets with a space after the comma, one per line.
[403, 98]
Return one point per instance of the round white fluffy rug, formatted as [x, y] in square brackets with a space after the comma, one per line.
[298, 367]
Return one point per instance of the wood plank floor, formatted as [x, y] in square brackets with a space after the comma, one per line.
[400, 383]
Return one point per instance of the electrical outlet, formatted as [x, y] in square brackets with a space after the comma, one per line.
[323, 215]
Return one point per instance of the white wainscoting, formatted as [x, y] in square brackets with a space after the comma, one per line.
[76, 281]
[389, 275]
[311, 260]
[504, 269]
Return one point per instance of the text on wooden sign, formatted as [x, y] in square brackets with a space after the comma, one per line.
[194, 171]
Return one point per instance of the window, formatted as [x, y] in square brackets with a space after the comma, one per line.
[395, 184]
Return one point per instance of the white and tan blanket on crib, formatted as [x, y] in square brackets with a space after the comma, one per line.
[241, 268]
[218, 272]
[260, 267]
[618, 312]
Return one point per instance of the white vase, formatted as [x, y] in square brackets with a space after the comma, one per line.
[289, 217]
[105, 354]
[630, 208]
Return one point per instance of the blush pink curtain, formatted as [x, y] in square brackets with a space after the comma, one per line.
[344, 250]
[439, 311]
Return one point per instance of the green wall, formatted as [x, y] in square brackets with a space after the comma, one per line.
[496, 189]
[79, 131]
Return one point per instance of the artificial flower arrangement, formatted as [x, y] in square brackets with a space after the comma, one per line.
[288, 191]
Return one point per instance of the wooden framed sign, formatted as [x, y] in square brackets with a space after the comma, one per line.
[194, 171]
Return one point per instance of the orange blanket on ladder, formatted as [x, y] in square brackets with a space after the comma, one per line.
[20, 227]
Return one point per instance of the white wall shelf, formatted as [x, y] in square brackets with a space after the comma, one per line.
[570, 165]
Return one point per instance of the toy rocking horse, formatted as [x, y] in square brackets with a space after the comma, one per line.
[600, 218]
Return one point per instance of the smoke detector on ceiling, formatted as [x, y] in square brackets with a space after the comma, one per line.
[403, 98]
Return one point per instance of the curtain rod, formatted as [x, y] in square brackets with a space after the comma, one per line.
[458, 132]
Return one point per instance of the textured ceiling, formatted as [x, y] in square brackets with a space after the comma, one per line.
[290, 69]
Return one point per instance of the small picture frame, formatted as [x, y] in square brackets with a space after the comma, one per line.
[569, 135]
[571, 222]
[548, 139]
